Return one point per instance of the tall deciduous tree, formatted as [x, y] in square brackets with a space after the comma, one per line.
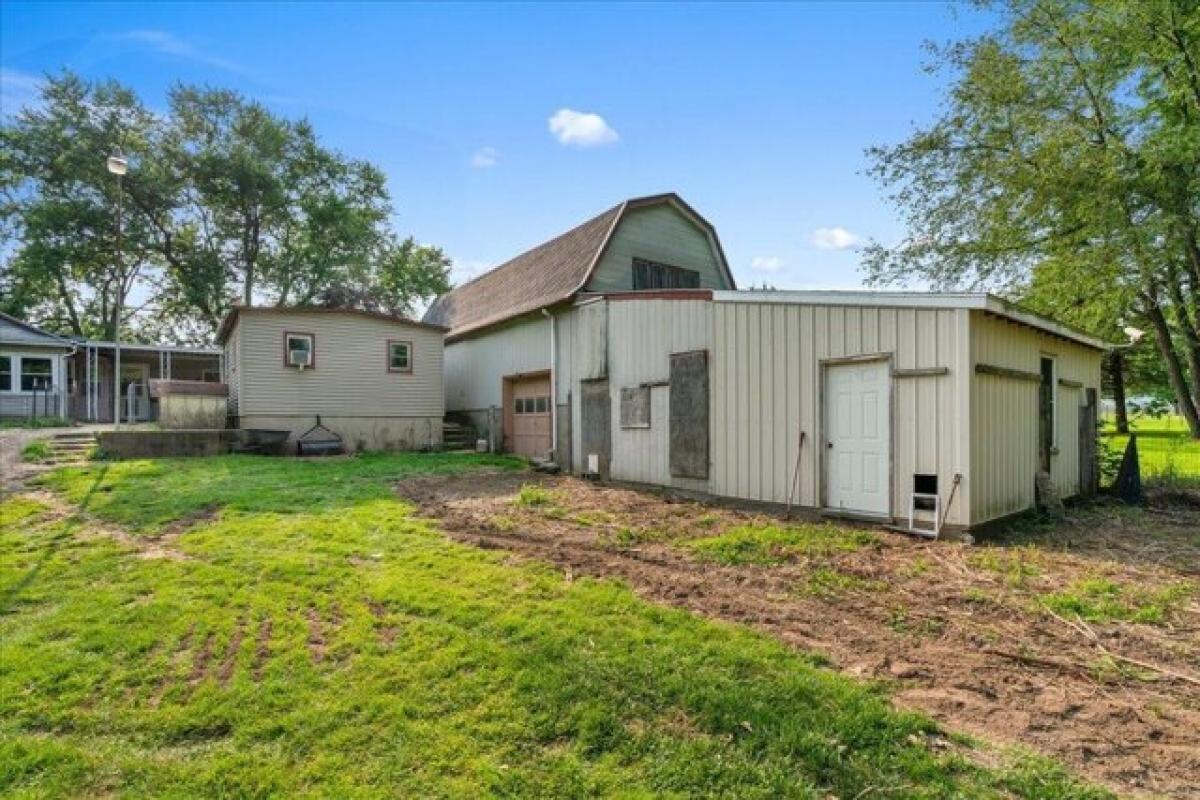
[59, 206]
[1070, 136]
[225, 203]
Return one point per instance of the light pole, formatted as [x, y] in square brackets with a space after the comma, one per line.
[118, 166]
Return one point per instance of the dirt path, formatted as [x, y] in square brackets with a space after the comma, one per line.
[962, 642]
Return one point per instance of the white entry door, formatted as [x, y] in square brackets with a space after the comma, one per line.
[858, 437]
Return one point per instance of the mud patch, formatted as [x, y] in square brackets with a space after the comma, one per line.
[229, 662]
[959, 631]
[387, 633]
[316, 636]
[90, 527]
[262, 649]
[200, 664]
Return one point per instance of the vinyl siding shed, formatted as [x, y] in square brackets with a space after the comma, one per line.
[349, 383]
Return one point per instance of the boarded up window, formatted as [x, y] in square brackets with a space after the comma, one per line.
[635, 407]
[689, 415]
[595, 410]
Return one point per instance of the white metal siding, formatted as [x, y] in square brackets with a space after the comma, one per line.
[1004, 414]
[349, 377]
[642, 336]
[659, 233]
[766, 389]
[475, 367]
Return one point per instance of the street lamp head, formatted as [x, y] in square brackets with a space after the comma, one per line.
[117, 164]
[1134, 334]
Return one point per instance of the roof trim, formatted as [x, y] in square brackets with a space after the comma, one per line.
[977, 301]
[646, 294]
[20, 323]
[178, 349]
[622, 209]
[230, 319]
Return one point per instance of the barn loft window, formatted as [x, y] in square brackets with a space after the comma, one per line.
[299, 350]
[399, 356]
[35, 373]
[653, 275]
[635, 407]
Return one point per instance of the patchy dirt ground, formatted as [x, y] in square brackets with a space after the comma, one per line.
[965, 633]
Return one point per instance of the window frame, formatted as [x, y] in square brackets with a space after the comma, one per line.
[49, 374]
[411, 352]
[664, 270]
[312, 348]
[9, 372]
[630, 403]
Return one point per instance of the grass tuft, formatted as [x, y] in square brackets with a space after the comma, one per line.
[534, 496]
[828, 582]
[36, 451]
[1105, 600]
[774, 544]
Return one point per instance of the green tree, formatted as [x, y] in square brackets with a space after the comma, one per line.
[58, 205]
[1070, 137]
[225, 202]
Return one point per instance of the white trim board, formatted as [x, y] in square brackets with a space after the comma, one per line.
[979, 301]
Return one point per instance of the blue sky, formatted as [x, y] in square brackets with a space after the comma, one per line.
[502, 125]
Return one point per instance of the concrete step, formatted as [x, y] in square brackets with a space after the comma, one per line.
[73, 436]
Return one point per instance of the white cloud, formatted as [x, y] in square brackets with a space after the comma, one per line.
[17, 90]
[171, 45]
[581, 129]
[836, 238]
[485, 157]
[771, 264]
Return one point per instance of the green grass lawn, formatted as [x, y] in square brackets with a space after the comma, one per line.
[1164, 446]
[310, 637]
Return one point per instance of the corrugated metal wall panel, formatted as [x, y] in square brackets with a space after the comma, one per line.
[1004, 414]
[766, 389]
[642, 336]
[475, 367]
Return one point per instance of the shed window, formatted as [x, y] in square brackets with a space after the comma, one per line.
[5, 373]
[399, 356]
[299, 350]
[36, 373]
[653, 275]
[532, 405]
[635, 407]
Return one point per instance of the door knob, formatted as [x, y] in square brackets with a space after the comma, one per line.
[829, 445]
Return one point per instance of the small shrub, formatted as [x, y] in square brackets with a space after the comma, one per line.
[36, 451]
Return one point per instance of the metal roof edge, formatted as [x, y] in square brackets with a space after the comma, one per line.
[975, 301]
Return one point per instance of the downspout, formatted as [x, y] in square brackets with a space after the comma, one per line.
[553, 384]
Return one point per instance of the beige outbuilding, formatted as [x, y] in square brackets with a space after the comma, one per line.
[622, 348]
[373, 379]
